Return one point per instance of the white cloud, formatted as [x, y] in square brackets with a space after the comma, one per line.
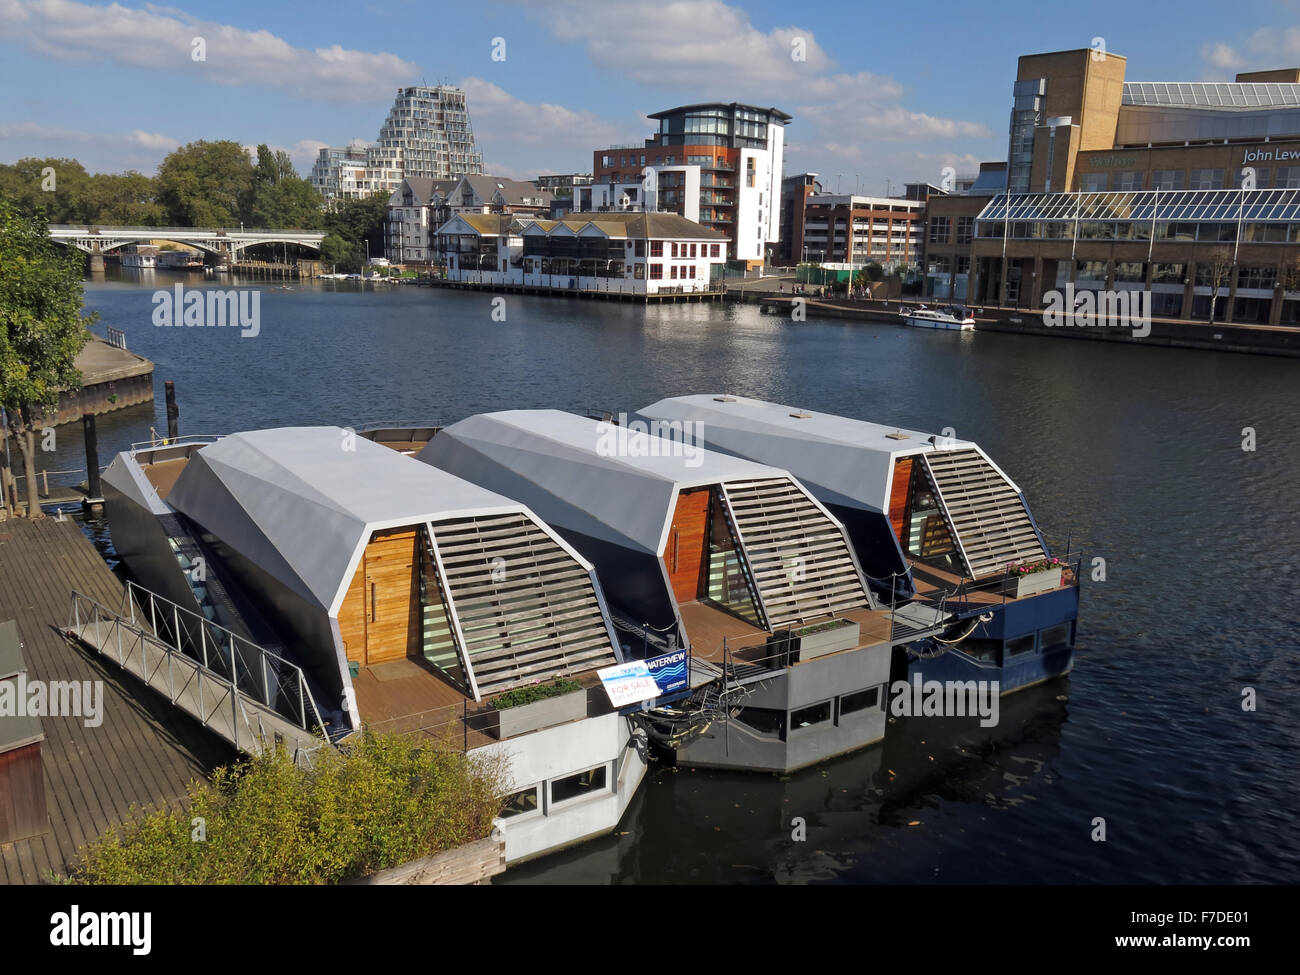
[698, 44]
[156, 37]
[545, 135]
[1220, 55]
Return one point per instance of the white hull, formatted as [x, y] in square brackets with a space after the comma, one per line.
[947, 324]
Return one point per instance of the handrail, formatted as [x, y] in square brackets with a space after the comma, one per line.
[308, 715]
[100, 616]
[186, 441]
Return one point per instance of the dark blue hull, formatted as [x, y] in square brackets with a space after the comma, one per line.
[1028, 641]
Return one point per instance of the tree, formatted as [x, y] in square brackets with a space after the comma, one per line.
[51, 186]
[278, 198]
[1218, 270]
[41, 329]
[355, 221]
[205, 184]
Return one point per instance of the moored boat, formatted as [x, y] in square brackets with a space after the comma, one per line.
[952, 317]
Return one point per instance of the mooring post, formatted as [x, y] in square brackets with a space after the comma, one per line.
[92, 457]
[173, 412]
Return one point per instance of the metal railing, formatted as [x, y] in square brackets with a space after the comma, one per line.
[213, 696]
[261, 674]
[116, 338]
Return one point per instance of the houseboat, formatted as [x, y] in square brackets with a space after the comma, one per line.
[408, 598]
[140, 256]
[952, 318]
[730, 562]
[934, 521]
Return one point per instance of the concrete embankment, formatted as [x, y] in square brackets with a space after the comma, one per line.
[1166, 332]
[111, 379]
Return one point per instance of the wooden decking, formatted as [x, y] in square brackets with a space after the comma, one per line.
[406, 695]
[143, 754]
[989, 591]
[707, 626]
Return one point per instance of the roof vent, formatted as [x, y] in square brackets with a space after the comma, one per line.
[802, 415]
[896, 435]
[724, 399]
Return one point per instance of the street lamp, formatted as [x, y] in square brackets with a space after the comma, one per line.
[367, 243]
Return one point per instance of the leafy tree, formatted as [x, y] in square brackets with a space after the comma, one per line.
[355, 222]
[279, 198]
[41, 329]
[1218, 267]
[26, 182]
[205, 184]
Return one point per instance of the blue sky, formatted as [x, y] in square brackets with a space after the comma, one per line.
[880, 96]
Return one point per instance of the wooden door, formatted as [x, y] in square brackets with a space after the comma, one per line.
[687, 540]
[380, 616]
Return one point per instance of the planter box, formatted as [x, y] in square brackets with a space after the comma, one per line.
[1038, 582]
[844, 637]
[541, 714]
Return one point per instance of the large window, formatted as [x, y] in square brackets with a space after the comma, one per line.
[1093, 182]
[522, 802]
[811, 715]
[591, 782]
[1126, 181]
[656, 272]
[860, 701]
[1288, 177]
[766, 721]
[656, 248]
[965, 228]
[940, 229]
[1205, 179]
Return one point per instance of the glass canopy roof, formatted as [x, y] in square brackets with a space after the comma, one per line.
[1189, 206]
[1211, 94]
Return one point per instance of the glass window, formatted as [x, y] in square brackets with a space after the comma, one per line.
[1127, 181]
[656, 272]
[522, 802]
[1056, 636]
[861, 701]
[656, 248]
[1288, 177]
[1205, 179]
[1092, 182]
[1020, 645]
[766, 721]
[809, 716]
[940, 229]
[965, 228]
[587, 783]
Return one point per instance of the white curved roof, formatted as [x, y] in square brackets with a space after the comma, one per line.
[844, 461]
[301, 502]
[600, 479]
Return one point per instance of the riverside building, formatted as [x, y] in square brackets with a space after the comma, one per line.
[718, 163]
[427, 134]
[1187, 190]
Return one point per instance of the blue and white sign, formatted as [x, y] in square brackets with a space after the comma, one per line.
[669, 671]
[628, 683]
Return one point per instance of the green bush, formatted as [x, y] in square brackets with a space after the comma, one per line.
[377, 803]
[823, 627]
[535, 692]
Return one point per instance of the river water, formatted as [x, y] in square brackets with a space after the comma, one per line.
[1136, 453]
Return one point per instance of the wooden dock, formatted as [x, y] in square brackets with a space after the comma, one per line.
[144, 753]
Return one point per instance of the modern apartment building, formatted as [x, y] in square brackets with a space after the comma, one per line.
[885, 230]
[427, 135]
[1187, 190]
[721, 161]
[795, 191]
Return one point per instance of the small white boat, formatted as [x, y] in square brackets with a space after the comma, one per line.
[946, 318]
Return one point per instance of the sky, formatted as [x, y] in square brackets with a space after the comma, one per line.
[882, 94]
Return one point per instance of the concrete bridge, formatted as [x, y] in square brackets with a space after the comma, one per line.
[222, 242]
